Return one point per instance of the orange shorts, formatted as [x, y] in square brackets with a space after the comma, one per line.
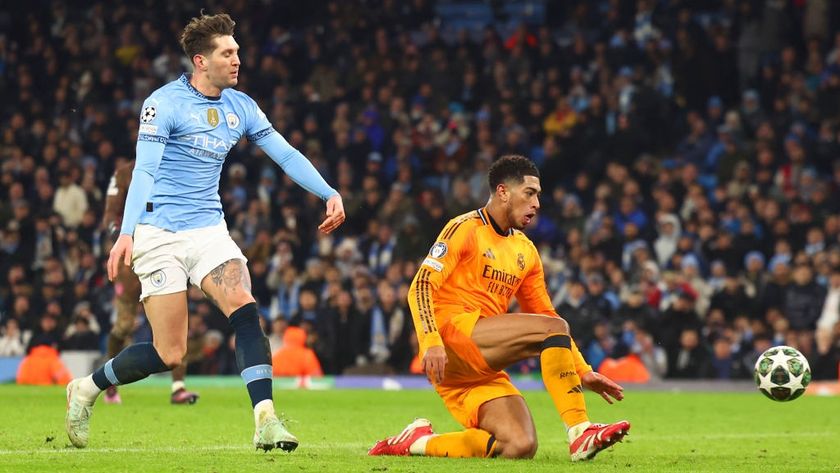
[468, 381]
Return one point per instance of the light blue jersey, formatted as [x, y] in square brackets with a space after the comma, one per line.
[182, 144]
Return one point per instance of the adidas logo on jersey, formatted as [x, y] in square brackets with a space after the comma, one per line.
[489, 254]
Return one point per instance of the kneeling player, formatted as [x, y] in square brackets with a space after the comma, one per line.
[458, 301]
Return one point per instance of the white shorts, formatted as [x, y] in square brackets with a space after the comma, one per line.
[165, 260]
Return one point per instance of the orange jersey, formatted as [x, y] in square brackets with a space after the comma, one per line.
[471, 267]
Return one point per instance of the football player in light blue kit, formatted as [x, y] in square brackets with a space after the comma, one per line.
[173, 228]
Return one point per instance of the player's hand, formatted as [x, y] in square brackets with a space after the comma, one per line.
[434, 363]
[602, 385]
[120, 254]
[335, 215]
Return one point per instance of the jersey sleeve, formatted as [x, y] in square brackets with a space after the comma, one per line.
[257, 126]
[260, 132]
[157, 122]
[442, 261]
[296, 166]
[533, 298]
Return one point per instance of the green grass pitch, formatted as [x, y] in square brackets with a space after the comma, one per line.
[672, 432]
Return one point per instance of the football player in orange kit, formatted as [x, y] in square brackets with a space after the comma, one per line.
[459, 299]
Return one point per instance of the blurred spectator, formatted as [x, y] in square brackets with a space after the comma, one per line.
[79, 335]
[42, 366]
[11, 343]
[47, 332]
[690, 359]
[653, 357]
[275, 336]
[294, 358]
[70, 200]
[724, 363]
[803, 300]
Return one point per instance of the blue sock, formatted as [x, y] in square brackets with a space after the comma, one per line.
[130, 365]
[253, 353]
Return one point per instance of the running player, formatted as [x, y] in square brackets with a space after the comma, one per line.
[173, 229]
[458, 300]
[127, 292]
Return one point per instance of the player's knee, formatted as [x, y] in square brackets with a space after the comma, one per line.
[556, 325]
[172, 354]
[521, 446]
[237, 301]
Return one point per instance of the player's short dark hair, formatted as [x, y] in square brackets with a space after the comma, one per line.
[511, 167]
[198, 35]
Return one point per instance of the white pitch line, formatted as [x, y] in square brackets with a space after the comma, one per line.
[208, 448]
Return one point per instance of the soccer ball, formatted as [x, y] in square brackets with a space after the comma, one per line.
[782, 373]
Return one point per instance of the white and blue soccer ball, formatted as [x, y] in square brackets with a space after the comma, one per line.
[782, 373]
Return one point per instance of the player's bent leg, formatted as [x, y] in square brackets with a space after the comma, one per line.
[418, 438]
[505, 429]
[229, 287]
[509, 338]
[509, 422]
[167, 316]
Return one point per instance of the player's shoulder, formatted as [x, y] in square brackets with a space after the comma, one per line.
[236, 94]
[168, 90]
[461, 224]
[522, 239]
[237, 97]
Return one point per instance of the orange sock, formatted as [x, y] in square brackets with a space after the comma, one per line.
[470, 443]
[561, 380]
[581, 366]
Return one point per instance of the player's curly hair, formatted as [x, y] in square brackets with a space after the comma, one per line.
[197, 37]
[511, 167]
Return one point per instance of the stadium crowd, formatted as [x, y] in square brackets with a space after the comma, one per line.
[689, 151]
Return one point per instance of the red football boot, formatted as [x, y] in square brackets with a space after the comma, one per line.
[400, 444]
[597, 437]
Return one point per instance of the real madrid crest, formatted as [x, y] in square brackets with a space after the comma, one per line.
[212, 117]
[520, 261]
